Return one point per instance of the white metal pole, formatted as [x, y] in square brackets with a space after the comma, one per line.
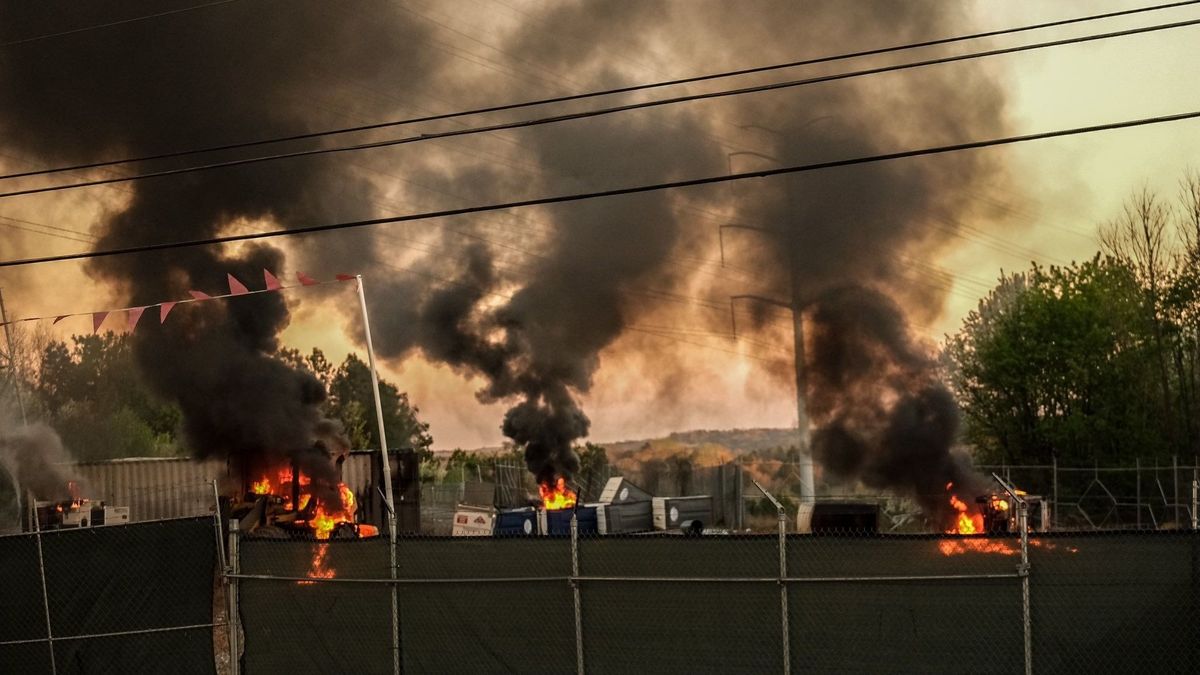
[232, 609]
[387, 475]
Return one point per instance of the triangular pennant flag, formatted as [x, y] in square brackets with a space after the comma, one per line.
[345, 277]
[97, 319]
[305, 279]
[59, 318]
[135, 313]
[236, 287]
[272, 283]
[165, 309]
[200, 295]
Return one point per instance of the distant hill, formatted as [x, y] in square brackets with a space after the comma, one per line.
[716, 444]
[732, 441]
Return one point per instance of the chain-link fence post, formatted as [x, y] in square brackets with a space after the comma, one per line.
[1175, 485]
[37, 533]
[222, 561]
[1054, 478]
[575, 593]
[234, 568]
[1195, 496]
[1023, 570]
[783, 592]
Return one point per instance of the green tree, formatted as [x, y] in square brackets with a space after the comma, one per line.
[1060, 362]
[91, 392]
[352, 401]
[594, 470]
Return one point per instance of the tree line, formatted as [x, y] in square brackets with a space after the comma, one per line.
[88, 389]
[1097, 361]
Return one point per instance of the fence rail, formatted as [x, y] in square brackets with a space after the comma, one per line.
[140, 598]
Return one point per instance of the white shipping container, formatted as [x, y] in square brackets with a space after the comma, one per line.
[473, 522]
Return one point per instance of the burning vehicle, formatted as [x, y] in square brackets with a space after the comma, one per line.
[76, 511]
[286, 502]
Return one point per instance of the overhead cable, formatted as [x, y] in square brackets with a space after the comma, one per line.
[606, 92]
[630, 190]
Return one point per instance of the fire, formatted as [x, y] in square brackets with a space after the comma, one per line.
[557, 496]
[950, 547]
[964, 523]
[318, 570]
[324, 518]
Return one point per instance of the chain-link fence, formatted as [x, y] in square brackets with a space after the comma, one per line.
[849, 601]
[116, 599]
[140, 598]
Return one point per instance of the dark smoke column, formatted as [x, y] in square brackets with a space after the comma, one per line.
[220, 74]
[882, 416]
[546, 431]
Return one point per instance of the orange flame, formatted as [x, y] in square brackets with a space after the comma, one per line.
[325, 517]
[964, 523]
[318, 570]
[557, 496]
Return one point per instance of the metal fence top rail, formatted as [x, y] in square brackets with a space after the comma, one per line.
[157, 521]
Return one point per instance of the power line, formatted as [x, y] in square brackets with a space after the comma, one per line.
[84, 29]
[617, 90]
[54, 230]
[637, 189]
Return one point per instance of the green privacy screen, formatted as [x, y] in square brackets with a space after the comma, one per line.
[1111, 602]
[122, 599]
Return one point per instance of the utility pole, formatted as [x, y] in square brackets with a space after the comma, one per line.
[796, 306]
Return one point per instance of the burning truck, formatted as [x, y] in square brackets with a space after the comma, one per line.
[285, 501]
[74, 512]
[299, 495]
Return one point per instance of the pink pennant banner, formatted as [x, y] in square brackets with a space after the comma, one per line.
[236, 287]
[135, 314]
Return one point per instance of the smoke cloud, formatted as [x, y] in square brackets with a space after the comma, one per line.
[35, 459]
[232, 72]
[882, 416]
[530, 301]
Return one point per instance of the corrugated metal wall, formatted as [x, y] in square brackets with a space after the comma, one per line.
[175, 487]
[153, 488]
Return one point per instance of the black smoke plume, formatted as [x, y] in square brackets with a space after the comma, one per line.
[539, 294]
[236, 71]
[536, 334]
[882, 416]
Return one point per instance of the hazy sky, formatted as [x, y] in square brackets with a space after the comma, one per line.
[1042, 203]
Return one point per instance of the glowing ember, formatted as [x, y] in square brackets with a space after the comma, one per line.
[950, 547]
[318, 570]
[557, 496]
